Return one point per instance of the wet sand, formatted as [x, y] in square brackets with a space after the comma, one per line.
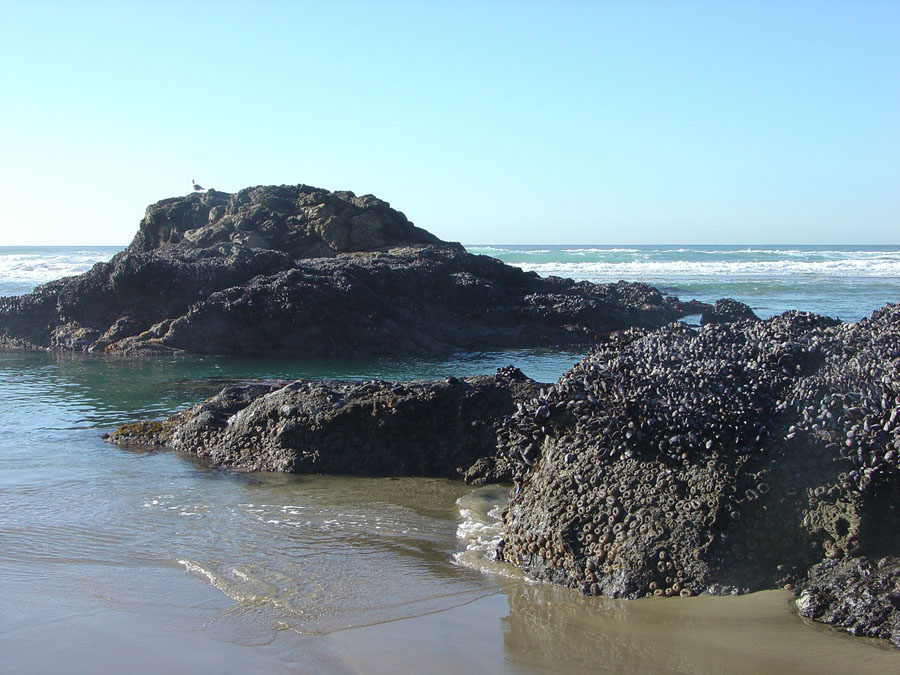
[98, 620]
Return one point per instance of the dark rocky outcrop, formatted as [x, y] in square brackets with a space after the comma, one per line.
[300, 270]
[444, 428]
[727, 310]
[301, 221]
[727, 459]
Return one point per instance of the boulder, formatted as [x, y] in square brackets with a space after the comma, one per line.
[859, 595]
[301, 221]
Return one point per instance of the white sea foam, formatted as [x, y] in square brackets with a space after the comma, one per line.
[479, 530]
[855, 267]
[212, 578]
[492, 250]
[242, 588]
[39, 266]
[585, 251]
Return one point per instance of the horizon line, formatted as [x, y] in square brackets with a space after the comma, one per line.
[511, 244]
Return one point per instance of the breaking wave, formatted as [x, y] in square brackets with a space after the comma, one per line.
[39, 265]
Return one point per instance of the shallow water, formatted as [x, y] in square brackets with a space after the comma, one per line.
[134, 561]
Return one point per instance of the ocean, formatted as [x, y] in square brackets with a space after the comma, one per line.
[846, 282]
[121, 561]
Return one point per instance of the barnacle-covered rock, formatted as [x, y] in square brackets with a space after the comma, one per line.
[727, 310]
[725, 459]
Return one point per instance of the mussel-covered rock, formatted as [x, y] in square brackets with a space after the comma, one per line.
[444, 428]
[727, 310]
[726, 459]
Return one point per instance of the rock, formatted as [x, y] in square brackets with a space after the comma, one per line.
[146, 433]
[443, 428]
[728, 459]
[301, 221]
[859, 595]
[302, 271]
[727, 310]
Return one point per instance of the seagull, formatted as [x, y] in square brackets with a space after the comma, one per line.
[197, 186]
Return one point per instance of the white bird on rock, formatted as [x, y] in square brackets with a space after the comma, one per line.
[197, 186]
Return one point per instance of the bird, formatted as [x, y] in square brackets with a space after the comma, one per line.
[197, 186]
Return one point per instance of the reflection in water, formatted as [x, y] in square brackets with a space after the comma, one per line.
[98, 390]
[558, 630]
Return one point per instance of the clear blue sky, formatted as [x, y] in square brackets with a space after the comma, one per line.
[485, 122]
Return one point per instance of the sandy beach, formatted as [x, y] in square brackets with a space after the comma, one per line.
[89, 620]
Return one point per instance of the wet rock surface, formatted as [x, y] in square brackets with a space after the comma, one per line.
[443, 428]
[300, 270]
[726, 459]
[860, 595]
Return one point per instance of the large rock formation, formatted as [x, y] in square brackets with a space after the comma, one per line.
[727, 459]
[300, 270]
[443, 428]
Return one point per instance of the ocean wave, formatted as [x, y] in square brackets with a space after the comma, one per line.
[586, 251]
[695, 254]
[39, 267]
[479, 530]
[493, 250]
[718, 268]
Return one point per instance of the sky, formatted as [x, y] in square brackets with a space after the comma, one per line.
[484, 122]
